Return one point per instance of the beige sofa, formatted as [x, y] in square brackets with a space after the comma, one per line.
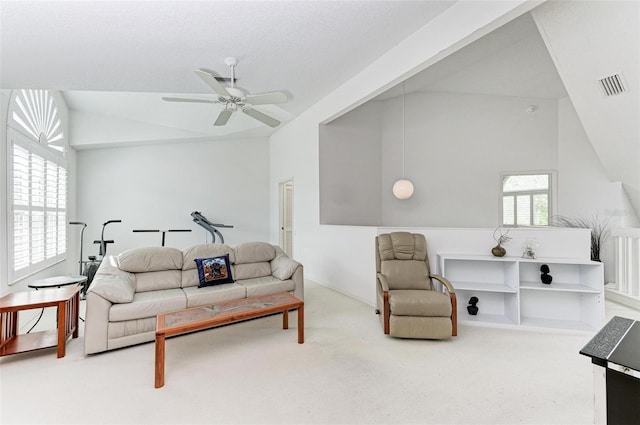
[129, 290]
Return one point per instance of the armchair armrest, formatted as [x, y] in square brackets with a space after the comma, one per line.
[454, 301]
[444, 282]
[386, 310]
[383, 282]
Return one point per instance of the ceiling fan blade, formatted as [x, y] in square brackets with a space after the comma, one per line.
[267, 98]
[270, 121]
[211, 81]
[182, 99]
[223, 117]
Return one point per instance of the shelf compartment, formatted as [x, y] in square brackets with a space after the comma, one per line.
[483, 287]
[469, 269]
[562, 309]
[493, 306]
[570, 325]
[484, 318]
[561, 287]
[589, 274]
[30, 342]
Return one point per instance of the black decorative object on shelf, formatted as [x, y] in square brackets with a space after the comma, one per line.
[545, 277]
[472, 308]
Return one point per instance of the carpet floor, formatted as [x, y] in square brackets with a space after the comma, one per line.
[346, 372]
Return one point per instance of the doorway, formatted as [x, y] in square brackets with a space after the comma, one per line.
[286, 217]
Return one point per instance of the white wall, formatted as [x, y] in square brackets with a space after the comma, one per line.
[584, 188]
[343, 256]
[590, 40]
[158, 186]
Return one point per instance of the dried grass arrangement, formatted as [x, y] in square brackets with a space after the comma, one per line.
[599, 229]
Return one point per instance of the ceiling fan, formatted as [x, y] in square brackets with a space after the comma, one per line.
[234, 99]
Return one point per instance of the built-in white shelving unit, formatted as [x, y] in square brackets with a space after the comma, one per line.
[511, 293]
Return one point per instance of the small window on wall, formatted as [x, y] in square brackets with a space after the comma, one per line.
[527, 199]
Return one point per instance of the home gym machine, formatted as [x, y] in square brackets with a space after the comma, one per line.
[90, 266]
[160, 231]
[201, 220]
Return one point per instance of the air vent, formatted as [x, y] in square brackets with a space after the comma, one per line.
[613, 85]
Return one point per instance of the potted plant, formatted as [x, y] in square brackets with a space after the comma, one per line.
[503, 237]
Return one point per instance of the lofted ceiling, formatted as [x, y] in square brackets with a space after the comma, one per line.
[116, 59]
[509, 61]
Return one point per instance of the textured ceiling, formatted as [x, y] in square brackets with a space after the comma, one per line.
[305, 48]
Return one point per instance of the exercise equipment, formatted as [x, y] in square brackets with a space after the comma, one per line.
[160, 231]
[201, 220]
[87, 268]
[103, 243]
[84, 226]
[90, 266]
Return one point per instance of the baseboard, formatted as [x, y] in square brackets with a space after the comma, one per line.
[338, 290]
[622, 298]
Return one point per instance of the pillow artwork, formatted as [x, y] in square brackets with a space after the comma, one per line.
[214, 270]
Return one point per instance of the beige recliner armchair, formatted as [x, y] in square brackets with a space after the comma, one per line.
[407, 301]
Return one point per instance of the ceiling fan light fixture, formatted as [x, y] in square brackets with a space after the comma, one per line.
[236, 92]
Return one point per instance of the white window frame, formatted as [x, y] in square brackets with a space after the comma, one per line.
[553, 184]
[55, 239]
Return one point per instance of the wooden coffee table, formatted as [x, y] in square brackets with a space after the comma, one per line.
[66, 299]
[204, 317]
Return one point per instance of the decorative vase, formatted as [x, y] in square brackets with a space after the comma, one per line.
[498, 251]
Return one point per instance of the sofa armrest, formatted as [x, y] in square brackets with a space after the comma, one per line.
[298, 281]
[96, 324]
[113, 284]
[283, 267]
[113, 288]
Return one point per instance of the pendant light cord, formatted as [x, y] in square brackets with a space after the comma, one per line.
[403, 130]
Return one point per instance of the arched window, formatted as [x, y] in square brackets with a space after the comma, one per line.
[37, 183]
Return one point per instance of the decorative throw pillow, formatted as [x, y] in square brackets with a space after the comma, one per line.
[214, 270]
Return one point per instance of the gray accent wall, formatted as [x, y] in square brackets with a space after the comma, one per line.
[350, 168]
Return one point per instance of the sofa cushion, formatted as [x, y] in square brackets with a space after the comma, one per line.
[190, 278]
[150, 259]
[266, 285]
[254, 252]
[125, 328]
[214, 270]
[117, 289]
[148, 304]
[205, 251]
[251, 270]
[419, 303]
[213, 294]
[153, 281]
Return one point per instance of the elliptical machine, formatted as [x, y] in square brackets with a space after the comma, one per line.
[201, 220]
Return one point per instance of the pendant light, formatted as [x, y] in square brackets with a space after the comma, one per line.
[403, 188]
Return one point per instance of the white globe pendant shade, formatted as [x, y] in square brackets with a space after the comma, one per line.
[403, 189]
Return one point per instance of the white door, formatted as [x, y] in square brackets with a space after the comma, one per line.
[286, 217]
